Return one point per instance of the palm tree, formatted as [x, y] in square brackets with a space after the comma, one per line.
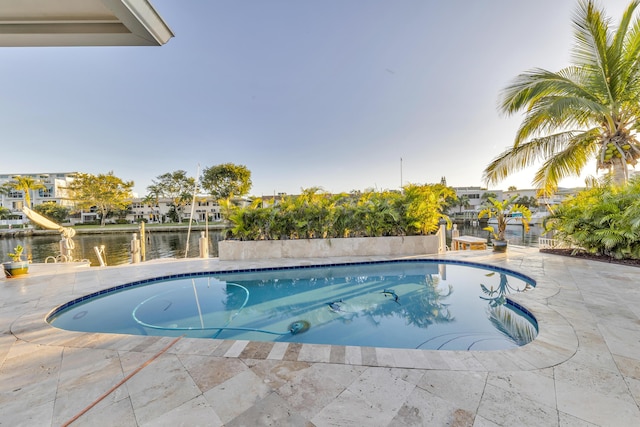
[25, 184]
[587, 110]
[152, 199]
[505, 211]
[463, 202]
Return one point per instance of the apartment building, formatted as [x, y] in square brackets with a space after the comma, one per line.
[205, 209]
[55, 190]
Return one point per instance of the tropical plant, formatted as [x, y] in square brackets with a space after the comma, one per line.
[317, 214]
[587, 110]
[425, 206]
[25, 184]
[505, 211]
[16, 255]
[603, 220]
[376, 214]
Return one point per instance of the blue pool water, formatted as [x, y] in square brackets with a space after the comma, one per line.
[423, 304]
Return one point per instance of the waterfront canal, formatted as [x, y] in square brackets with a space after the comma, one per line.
[163, 244]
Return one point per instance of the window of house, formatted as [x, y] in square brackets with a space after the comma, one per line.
[45, 192]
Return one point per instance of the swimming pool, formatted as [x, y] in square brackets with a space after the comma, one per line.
[424, 304]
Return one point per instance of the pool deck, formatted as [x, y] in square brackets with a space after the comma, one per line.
[582, 370]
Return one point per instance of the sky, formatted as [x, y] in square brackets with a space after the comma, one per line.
[341, 95]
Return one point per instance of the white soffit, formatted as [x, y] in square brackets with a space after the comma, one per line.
[81, 23]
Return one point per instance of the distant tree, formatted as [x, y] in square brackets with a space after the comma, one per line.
[152, 199]
[463, 202]
[526, 201]
[4, 212]
[25, 184]
[176, 186]
[226, 180]
[512, 188]
[154, 192]
[488, 195]
[53, 211]
[107, 193]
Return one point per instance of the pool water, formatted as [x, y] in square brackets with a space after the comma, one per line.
[423, 304]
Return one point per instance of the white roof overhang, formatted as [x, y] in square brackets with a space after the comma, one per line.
[81, 23]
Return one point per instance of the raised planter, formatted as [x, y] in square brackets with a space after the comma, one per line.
[15, 268]
[233, 250]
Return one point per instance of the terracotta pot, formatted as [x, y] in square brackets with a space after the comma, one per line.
[15, 268]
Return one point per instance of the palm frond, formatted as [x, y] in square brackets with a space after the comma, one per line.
[525, 155]
[565, 163]
[528, 88]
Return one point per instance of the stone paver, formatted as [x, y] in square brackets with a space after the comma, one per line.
[583, 369]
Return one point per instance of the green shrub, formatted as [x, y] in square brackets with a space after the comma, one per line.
[315, 214]
[603, 220]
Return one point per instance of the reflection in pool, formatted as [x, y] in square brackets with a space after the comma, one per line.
[424, 304]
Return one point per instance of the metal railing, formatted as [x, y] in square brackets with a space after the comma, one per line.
[547, 243]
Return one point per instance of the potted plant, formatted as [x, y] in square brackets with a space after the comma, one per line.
[505, 211]
[16, 267]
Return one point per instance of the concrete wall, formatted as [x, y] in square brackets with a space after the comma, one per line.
[232, 250]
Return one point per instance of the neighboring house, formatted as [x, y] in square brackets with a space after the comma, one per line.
[474, 195]
[558, 197]
[206, 209]
[56, 184]
[475, 198]
[55, 191]
[532, 192]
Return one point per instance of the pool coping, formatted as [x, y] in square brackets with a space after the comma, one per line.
[556, 341]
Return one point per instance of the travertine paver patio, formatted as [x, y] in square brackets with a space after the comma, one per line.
[583, 369]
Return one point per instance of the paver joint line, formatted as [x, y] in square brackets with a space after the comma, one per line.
[122, 381]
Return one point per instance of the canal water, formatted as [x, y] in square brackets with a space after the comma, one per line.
[117, 246]
[173, 244]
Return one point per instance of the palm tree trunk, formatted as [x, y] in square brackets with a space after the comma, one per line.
[619, 172]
